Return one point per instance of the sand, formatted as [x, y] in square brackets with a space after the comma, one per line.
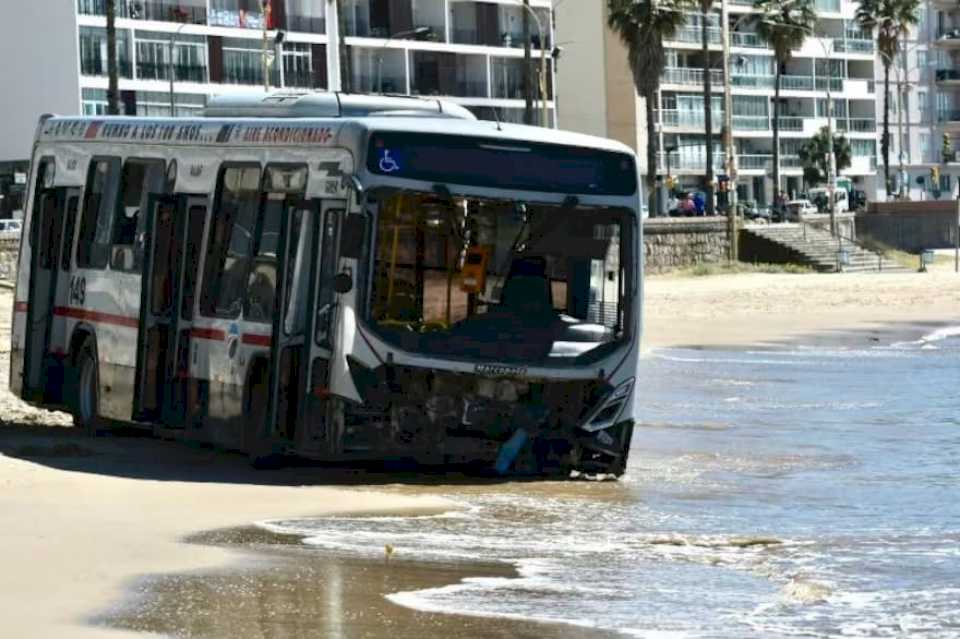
[769, 310]
[82, 520]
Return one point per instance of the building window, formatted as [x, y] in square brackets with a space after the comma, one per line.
[922, 59]
[924, 146]
[189, 62]
[922, 104]
[93, 51]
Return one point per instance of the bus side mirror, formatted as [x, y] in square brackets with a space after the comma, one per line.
[342, 283]
[351, 237]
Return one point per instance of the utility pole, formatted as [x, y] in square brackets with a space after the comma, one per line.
[527, 66]
[113, 83]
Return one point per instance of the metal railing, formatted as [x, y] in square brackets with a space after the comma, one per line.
[300, 79]
[753, 81]
[751, 122]
[307, 24]
[242, 19]
[832, 6]
[796, 82]
[688, 119]
[790, 161]
[181, 72]
[387, 83]
[688, 162]
[836, 84]
[748, 162]
[98, 66]
[863, 125]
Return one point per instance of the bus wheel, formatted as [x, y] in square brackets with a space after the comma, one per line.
[256, 442]
[86, 406]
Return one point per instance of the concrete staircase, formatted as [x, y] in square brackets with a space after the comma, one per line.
[817, 248]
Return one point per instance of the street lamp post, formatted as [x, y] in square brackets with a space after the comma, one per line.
[418, 32]
[731, 156]
[172, 69]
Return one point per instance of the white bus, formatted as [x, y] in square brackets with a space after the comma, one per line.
[342, 278]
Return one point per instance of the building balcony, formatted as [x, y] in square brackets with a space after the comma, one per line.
[751, 123]
[862, 125]
[948, 38]
[98, 66]
[791, 123]
[181, 73]
[689, 76]
[192, 13]
[238, 19]
[828, 6]
[675, 161]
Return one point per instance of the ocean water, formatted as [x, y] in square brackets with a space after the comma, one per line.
[809, 492]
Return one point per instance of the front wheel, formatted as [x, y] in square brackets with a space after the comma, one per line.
[86, 408]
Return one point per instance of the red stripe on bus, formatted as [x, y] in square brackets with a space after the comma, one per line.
[96, 316]
[214, 334]
[256, 340]
[20, 307]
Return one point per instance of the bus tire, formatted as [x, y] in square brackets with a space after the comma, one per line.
[257, 444]
[86, 387]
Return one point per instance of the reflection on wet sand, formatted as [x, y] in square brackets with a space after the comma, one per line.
[285, 590]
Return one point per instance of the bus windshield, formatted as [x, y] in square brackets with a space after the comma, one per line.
[500, 280]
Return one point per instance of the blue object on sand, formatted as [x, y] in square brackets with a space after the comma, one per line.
[510, 450]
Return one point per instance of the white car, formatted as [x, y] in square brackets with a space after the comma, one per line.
[798, 208]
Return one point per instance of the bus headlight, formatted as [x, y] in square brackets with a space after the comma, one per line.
[606, 414]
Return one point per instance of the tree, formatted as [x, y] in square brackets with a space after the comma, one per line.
[815, 156]
[113, 83]
[783, 25]
[706, 7]
[643, 25]
[892, 20]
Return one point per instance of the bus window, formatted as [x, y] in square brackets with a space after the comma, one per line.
[93, 247]
[263, 275]
[45, 172]
[138, 179]
[73, 204]
[231, 241]
[328, 267]
[47, 230]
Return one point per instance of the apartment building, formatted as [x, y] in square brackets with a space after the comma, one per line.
[840, 62]
[925, 105]
[462, 50]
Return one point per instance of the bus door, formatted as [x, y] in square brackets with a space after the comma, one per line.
[301, 345]
[173, 245]
[43, 376]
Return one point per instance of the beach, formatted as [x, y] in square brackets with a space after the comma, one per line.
[84, 522]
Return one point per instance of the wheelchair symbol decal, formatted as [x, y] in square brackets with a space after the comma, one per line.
[387, 163]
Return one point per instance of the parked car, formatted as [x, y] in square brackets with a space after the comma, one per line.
[796, 209]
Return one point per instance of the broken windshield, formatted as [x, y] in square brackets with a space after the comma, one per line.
[500, 280]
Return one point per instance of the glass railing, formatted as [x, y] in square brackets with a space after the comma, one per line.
[307, 24]
[831, 6]
[161, 71]
[796, 82]
[371, 83]
[300, 79]
[508, 89]
[947, 74]
[836, 84]
[791, 123]
[687, 162]
[694, 34]
[751, 122]
[753, 81]
[241, 19]
[248, 75]
[790, 161]
[863, 125]
[754, 162]
[98, 66]
[168, 11]
[741, 39]
[99, 7]
[853, 46]
[690, 76]
[689, 119]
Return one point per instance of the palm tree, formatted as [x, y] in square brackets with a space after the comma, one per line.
[643, 25]
[113, 89]
[706, 7]
[814, 156]
[892, 19]
[783, 25]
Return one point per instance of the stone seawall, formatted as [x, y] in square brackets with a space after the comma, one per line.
[675, 243]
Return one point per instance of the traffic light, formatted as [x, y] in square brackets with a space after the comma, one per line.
[947, 149]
